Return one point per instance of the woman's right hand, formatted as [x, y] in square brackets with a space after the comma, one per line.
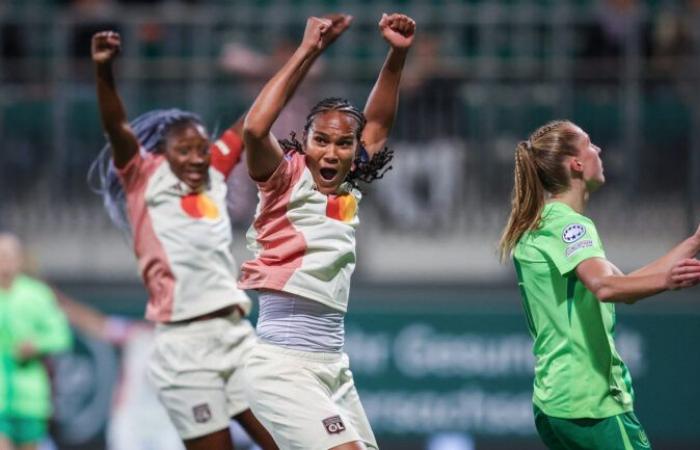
[684, 274]
[106, 45]
[316, 28]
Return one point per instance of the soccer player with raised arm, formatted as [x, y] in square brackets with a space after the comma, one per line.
[300, 385]
[164, 179]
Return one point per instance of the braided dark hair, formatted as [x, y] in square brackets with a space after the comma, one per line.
[366, 169]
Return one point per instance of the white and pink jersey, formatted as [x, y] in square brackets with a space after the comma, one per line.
[304, 241]
[182, 238]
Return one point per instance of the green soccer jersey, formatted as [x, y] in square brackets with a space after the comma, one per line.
[578, 372]
[28, 312]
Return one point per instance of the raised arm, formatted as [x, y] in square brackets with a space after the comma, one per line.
[105, 47]
[398, 30]
[609, 284]
[264, 153]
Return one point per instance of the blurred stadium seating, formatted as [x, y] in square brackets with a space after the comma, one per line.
[482, 75]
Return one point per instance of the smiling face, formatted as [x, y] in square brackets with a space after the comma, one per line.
[588, 162]
[331, 145]
[187, 152]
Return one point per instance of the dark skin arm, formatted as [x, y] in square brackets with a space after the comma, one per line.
[105, 47]
[398, 30]
[264, 153]
[237, 126]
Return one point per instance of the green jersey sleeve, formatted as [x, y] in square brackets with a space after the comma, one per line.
[52, 331]
[570, 240]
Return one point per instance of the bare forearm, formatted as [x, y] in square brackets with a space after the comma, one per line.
[686, 249]
[112, 111]
[237, 126]
[81, 315]
[383, 100]
[276, 93]
[113, 115]
[629, 288]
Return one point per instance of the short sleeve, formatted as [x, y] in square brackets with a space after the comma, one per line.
[132, 172]
[570, 240]
[51, 327]
[226, 152]
[138, 170]
[289, 170]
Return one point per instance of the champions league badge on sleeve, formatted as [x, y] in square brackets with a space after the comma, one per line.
[573, 233]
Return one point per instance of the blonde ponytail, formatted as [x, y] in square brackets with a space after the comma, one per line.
[539, 169]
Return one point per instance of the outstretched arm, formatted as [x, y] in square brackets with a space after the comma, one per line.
[686, 249]
[398, 30]
[609, 284]
[105, 47]
[263, 151]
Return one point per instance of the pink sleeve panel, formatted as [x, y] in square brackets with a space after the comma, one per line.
[138, 170]
[155, 270]
[283, 246]
[285, 176]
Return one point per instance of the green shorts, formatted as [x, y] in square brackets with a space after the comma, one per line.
[621, 432]
[23, 430]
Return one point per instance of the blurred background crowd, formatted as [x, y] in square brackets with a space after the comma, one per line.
[481, 76]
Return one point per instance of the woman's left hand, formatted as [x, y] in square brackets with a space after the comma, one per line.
[398, 30]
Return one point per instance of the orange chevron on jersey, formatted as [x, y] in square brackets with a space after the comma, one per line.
[341, 207]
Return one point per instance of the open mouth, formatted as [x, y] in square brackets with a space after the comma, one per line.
[194, 176]
[328, 174]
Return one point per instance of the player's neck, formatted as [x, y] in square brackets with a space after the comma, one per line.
[576, 197]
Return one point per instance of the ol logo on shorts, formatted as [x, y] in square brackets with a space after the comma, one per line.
[334, 425]
[202, 413]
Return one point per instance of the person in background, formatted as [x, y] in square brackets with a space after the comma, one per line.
[32, 327]
[583, 396]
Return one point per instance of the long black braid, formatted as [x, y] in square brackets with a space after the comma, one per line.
[366, 169]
